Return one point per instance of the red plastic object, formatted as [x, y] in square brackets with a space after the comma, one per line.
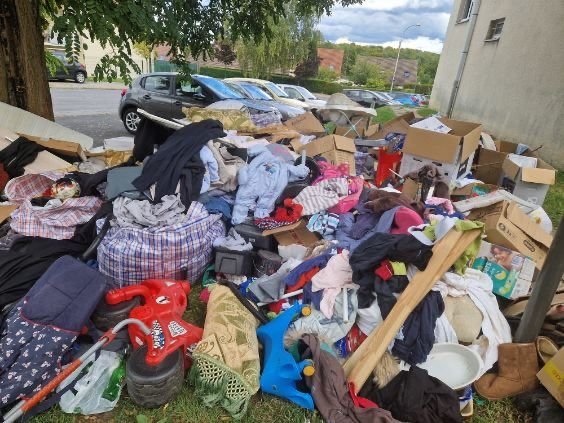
[163, 302]
[386, 161]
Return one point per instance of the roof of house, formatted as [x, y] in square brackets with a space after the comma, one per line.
[407, 68]
[331, 58]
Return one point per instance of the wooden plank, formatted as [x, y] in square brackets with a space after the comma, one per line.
[445, 252]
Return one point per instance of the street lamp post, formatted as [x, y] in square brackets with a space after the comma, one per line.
[397, 58]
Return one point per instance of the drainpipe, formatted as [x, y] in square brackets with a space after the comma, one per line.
[464, 56]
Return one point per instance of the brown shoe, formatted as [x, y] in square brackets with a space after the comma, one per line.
[518, 367]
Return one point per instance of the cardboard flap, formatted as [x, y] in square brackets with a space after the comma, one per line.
[523, 222]
[285, 228]
[6, 211]
[65, 148]
[344, 144]
[432, 145]
[510, 168]
[306, 124]
[538, 176]
[320, 146]
[471, 142]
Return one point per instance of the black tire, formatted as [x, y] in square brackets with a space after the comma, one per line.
[131, 119]
[149, 386]
[106, 316]
[80, 77]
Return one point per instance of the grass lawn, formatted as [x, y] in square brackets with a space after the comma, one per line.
[425, 112]
[383, 115]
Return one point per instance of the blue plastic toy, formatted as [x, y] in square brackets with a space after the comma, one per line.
[280, 369]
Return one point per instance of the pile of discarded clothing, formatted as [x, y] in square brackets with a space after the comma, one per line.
[374, 273]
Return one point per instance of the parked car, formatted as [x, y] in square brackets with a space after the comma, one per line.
[256, 93]
[68, 69]
[423, 100]
[164, 94]
[303, 94]
[273, 90]
[388, 98]
[405, 99]
[366, 98]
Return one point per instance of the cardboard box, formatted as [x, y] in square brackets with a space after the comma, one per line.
[306, 124]
[450, 171]
[529, 183]
[452, 153]
[488, 169]
[399, 124]
[512, 273]
[508, 226]
[335, 148]
[474, 189]
[296, 233]
[552, 376]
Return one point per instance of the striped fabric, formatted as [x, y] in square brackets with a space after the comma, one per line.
[30, 186]
[324, 195]
[181, 251]
[57, 222]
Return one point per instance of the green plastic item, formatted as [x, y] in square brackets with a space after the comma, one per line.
[112, 391]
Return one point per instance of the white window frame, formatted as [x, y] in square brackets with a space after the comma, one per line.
[491, 34]
[465, 16]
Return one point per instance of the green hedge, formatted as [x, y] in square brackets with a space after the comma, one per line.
[420, 88]
[221, 72]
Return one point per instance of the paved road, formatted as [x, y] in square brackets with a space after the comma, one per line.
[90, 111]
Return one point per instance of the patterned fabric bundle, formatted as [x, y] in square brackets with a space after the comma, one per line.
[183, 250]
[57, 220]
[226, 367]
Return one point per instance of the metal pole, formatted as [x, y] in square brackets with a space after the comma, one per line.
[396, 67]
[464, 56]
[543, 290]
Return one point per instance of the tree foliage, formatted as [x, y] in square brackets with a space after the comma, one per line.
[287, 46]
[309, 67]
[327, 74]
[188, 27]
[427, 61]
[223, 52]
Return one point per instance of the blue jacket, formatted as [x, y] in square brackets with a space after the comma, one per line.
[261, 182]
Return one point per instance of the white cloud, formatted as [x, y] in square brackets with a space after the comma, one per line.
[381, 22]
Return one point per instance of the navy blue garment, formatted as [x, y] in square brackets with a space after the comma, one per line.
[310, 297]
[178, 161]
[320, 261]
[216, 205]
[419, 330]
[41, 328]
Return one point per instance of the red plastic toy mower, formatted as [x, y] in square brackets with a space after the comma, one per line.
[155, 369]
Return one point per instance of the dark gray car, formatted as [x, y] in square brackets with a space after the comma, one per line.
[68, 69]
[256, 93]
[164, 94]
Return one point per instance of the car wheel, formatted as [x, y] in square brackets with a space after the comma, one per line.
[131, 120]
[80, 77]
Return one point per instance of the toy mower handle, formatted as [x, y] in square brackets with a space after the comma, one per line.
[116, 296]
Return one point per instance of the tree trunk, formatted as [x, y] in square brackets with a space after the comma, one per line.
[23, 74]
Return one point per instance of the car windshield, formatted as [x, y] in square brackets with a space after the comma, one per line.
[220, 88]
[275, 89]
[307, 95]
[255, 92]
[238, 89]
[386, 96]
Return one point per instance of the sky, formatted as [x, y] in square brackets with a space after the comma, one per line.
[381, 22]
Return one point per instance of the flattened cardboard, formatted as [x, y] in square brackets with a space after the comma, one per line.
[6, 211]
[65, 148]
[453, 147]
[538, 175]
[508, 226]
[474, 189]
[552, 376]
[306, 124]
[296, 233]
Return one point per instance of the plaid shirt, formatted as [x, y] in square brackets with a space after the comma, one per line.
[30, 186]
[57, 222]
[181, 251]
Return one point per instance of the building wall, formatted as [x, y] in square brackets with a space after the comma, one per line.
[513, 86]
[91, 57]
[331, 58]
[388, 64]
